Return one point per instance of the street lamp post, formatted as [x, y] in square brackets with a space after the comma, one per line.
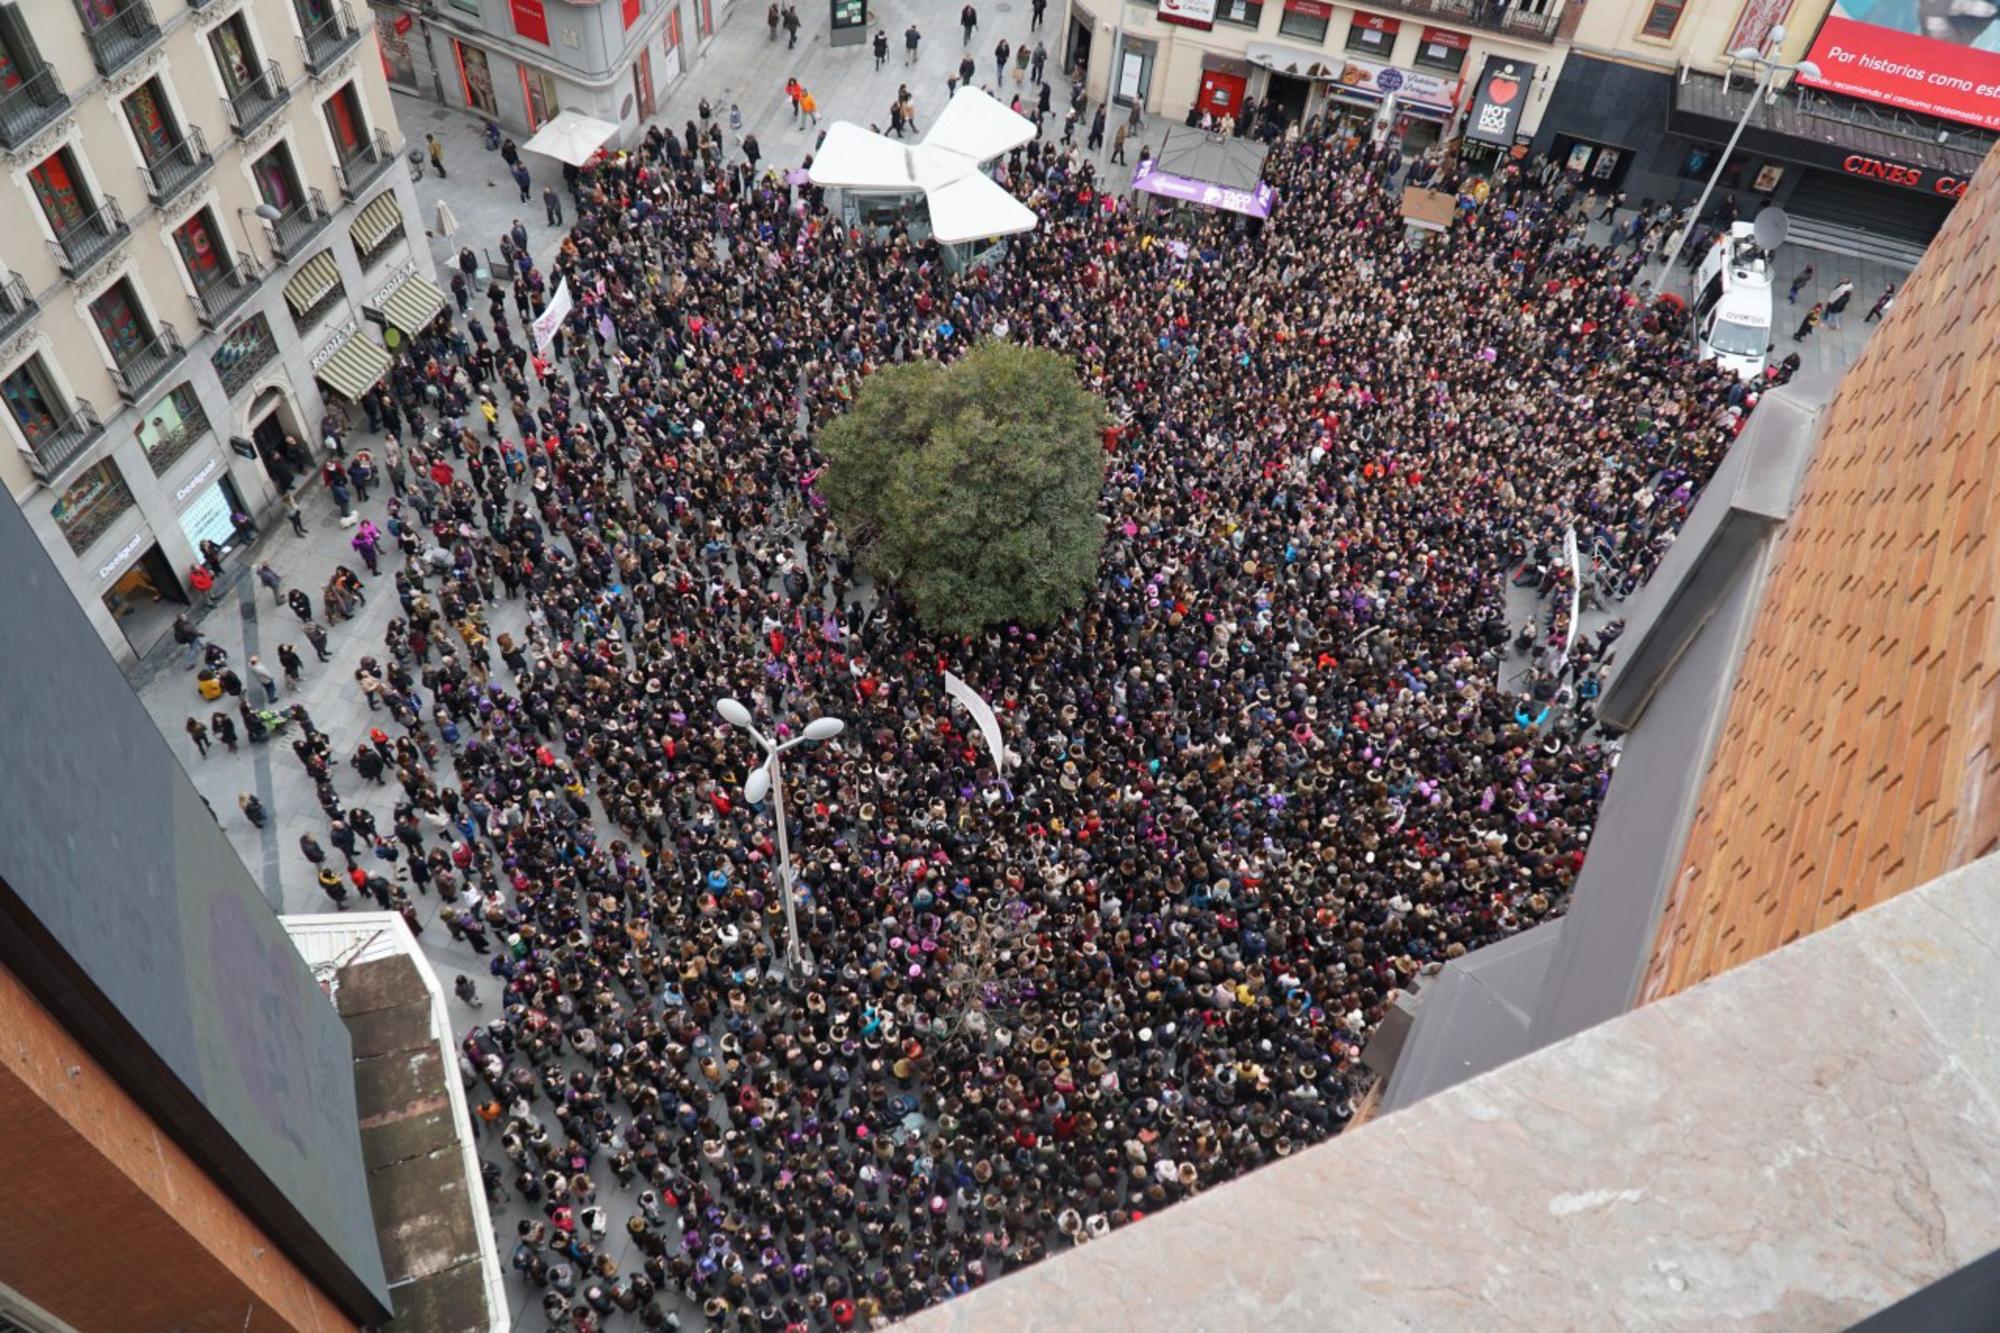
[769, 778]
[1768, 67]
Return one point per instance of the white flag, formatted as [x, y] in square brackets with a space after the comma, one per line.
[552, 317]
[982, 713]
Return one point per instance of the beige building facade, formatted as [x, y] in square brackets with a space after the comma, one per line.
[213, 238]
[1418, 58]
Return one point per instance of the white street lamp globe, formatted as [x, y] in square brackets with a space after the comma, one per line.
[735, 714]
[824, 728]
[757, 786]
[1805, 69]
[1748, 55]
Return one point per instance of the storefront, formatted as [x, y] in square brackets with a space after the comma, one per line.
[207, 504]
[1225, 82]
[1604, 121]
[1417, 104]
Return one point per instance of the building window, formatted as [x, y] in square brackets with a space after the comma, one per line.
[477, 79]
[1442, 49]
[32, 398]
[235, 54]
[89, 505]
[633, 8]
[346, 124]
[673, 38]
[538, 91]
[247, 350]
[1663, 18]
[171, 428]
[277, 182]
[467, 6]
[121, 323]
[1372, 34]
[1249, 13]
[201, 250]
[1306, 19]
[152, 122]
[59, 189]
[531, 20]
[704, 18]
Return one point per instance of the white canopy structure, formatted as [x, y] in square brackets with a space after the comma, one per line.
[945, 167]
[571, 137]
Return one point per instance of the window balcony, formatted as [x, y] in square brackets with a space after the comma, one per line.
[258, 100]
[16, 306]
[1536, 21]
[172, 446]
[329, 40]
[64, 443]
[148, 364]
[179, 167]
[90, 238]
[118, 40]
[363, 165]
[292, 230]
[27, 109]
[221, 295]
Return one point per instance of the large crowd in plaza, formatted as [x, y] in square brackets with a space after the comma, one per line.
[1271, 771]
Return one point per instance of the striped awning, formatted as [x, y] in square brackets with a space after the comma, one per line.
[381, 216]
[314, 279]
[355, 369]
[414, 304]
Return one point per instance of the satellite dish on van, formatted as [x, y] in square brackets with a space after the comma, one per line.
[1772, 227]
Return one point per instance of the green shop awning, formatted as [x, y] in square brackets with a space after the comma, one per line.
[356, 368]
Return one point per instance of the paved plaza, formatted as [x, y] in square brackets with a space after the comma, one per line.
[742, 68]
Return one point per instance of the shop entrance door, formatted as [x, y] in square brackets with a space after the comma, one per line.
[1869, 206]
[1076, 54]
[145, 599]
[1222, 94]
[269, 437]
[1289, 95]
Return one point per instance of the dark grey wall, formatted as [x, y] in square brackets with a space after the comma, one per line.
[1609, 103]
[126, 910]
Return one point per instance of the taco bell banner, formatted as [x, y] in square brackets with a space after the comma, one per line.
[1254, 203]
[1502, 96]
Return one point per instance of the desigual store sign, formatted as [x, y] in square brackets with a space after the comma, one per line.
[1896, 173]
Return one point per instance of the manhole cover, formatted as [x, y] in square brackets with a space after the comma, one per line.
[441, 114]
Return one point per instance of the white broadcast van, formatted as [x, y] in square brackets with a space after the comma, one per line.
[1732, 304]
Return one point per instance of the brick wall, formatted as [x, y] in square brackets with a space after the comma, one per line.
[1861, 745]
[108, 1224]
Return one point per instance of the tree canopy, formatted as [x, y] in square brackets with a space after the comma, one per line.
[973, 488]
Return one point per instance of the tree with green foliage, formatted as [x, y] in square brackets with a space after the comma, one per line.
[973, 488]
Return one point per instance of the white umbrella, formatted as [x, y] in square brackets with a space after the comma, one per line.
[446, 224]
[571, 137]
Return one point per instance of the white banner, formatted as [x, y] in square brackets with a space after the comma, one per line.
[982, 713]
[552, 317]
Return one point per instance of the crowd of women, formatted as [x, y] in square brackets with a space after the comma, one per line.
[1263, 780]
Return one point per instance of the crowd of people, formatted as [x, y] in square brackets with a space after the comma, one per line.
[1268, 775]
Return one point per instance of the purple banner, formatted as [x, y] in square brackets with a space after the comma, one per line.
[1255, 203]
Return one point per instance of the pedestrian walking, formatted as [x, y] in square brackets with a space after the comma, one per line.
[293, 514]
[751, 151]
[437, 153]
[1118, 146]
[794, 90]
[316, 636]
[199, 735]
[1882, 304]
[1809, 323]
[910, 39]
[523, 181]
[791, 21]
[202, 580]
[1836, 302]
[1036, 12]
[881, 47]
[262, 675]
[188, 637]
[771, 21]
[294, 666]
[552, 208]
[1096, 131]
[273, 580]
[224, 730]
[1798, 284]
[1002, 52]
[253, 809]
[968, 19]
[809, 105]
[1022, 55]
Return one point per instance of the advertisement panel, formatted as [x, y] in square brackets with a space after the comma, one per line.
[1499, 101]
[1940, 59]
[1193, 13]
[1409, 85]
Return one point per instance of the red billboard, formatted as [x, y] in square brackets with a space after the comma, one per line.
[1933, 57]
